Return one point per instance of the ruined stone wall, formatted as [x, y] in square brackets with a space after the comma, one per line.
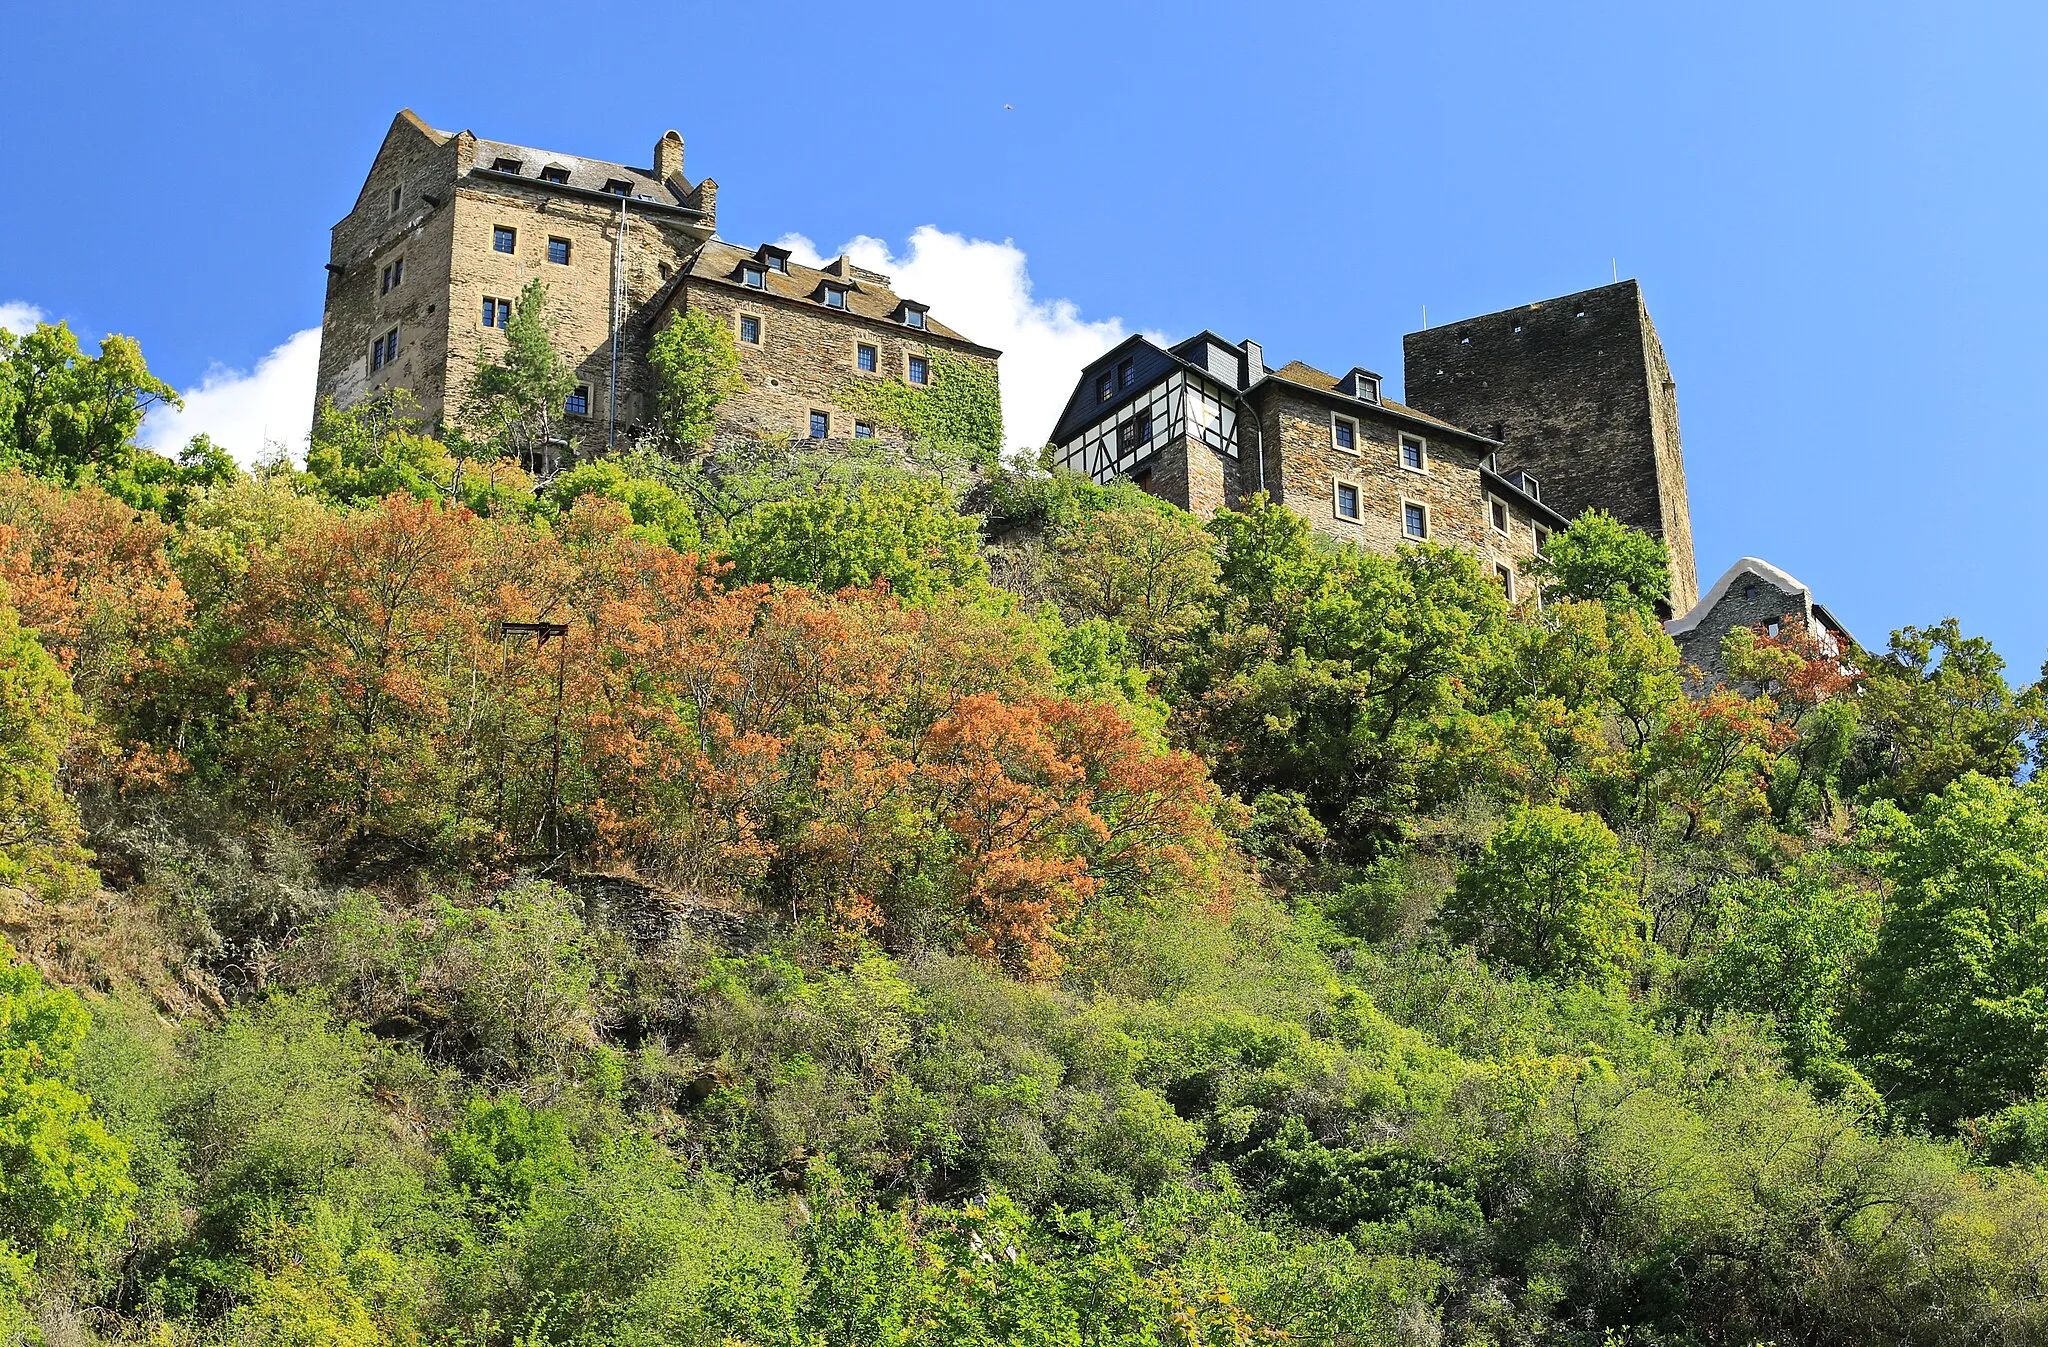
[1751, 600]
[1578, 391]
[806, 354]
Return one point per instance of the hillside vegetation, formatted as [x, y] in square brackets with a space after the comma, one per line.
[758, 899]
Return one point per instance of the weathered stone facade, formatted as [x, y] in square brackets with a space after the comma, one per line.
[1578, 392]
[566, 217]
[1356, 467]
[1751, 593]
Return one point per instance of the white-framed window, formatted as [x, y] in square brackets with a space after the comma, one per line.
[1344, 500]
[1414, 520]
[1415, 453]
[1542, 539]
[1368, 389]
[1343, 434]
[834, 298]
[754, 277]
[1506, 575]
[1497, 515]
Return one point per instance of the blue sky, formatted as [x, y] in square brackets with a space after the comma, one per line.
[1836, 211]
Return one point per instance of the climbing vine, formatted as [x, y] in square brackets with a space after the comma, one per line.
[957, 409]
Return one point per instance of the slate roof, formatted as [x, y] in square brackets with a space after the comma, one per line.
[1308, 376]
[589, 174]
[867, 292]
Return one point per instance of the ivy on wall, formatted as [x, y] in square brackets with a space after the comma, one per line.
[957, 409]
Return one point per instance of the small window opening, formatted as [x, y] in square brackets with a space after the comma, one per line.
[578, 402]
[1105, 387]
[1347, 501]
[503, 239]
[913, 318]
[755, 277]
[1344, 434]
[1414, 454]
[1500, 516]
[865, 358]
[503, 165]
[558, 252]
[750, 330]
[618, 186]
[1124, 374]
[863, 430]
[835, 299]
[554, 174]
[1414, 520]
[920, 370]
[397, 195]
[821, 425]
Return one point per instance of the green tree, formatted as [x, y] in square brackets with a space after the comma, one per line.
[1550, 893]
[63, 1177]
[1790, 948]
[1599, 557]
[359, 454]
[696, 368]
[65, 416]
[1934, 707]
[40, 715]
[1151, 569]
[909, 534]
[660, 513]
[515, 403]
[1953, 1017]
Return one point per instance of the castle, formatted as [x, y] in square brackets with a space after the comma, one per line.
[1516, 422]
[449, 227]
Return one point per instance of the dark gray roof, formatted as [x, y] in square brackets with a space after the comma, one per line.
[589, 174]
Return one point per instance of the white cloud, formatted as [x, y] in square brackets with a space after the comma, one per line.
[983, 289]
[19, 316]
[247, 413]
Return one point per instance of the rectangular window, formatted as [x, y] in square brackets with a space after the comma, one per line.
[835, 299]
[497, 313]
[1414, 454]
[1105, 387]
[920, 370]
[505, 165]
[913, 318]
[1414, 519]
[750, 329]
[556, 175]
[385, 288]
[1497, 510]
[397, 195]
[865, 358]
[397, 272]
[1133, 434]
[558, 252]
[1506, 575]
[821, 425]
[1347, 501]
[778, 264]
[503, 239]
[1542, 539]
[863, 431]
[618, 186]
[376, 355]
[756, 278]
[1123, 374]
[1344, 434]
[578, 402]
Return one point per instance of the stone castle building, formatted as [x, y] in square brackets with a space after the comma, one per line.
[449, 227]
[1516, 422]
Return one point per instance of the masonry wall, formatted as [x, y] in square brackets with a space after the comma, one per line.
[1191, 475]
[579, 293]
[1751, 601]
[371, 237]
[806, 355]
[1578, 391]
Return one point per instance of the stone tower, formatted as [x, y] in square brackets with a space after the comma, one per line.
[1578, 392]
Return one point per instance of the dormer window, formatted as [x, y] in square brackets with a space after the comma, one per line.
[913, 316]
[1105, 387]
[618, 187]
[755, 277]
[834, 297]
[503, 165]
[1363, 385]
[1124, 375]
[556, 174]
[780, 264]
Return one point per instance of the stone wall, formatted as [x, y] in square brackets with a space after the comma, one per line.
[371, 237]
[1192, 475]
[1578, 391]
[806, 354]
[1751, 600]
[579, 293]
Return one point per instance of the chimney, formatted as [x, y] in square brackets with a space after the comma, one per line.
[1254, 362]
[668, 157]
